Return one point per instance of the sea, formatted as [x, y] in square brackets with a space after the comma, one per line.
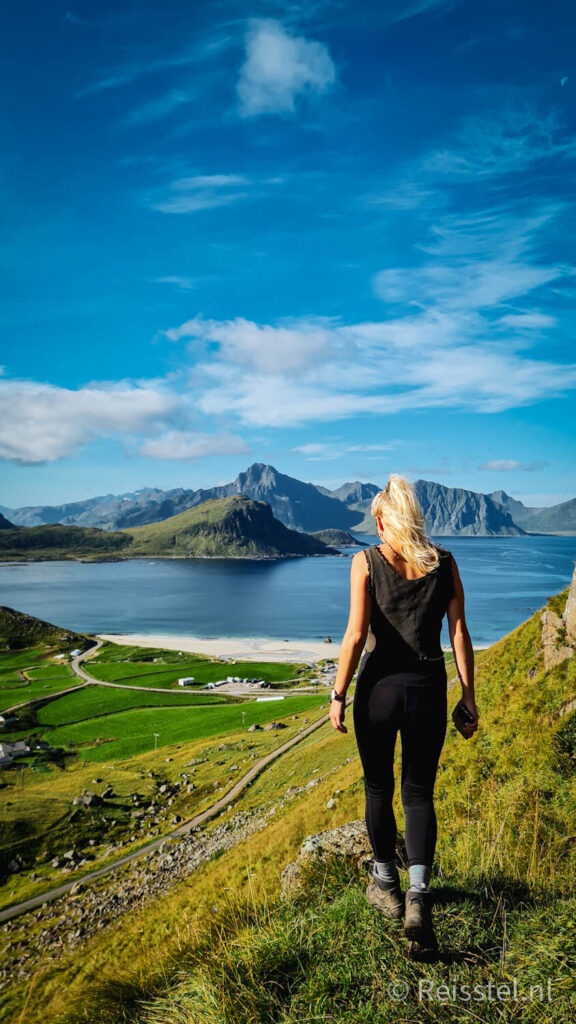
[505, 579]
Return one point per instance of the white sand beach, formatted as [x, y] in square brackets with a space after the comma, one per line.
[240, 648]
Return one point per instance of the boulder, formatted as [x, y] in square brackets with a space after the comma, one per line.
[350, 841]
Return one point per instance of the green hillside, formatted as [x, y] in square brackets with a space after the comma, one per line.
[56, 541]
[223, 946]
[233, 527]
[19, 631]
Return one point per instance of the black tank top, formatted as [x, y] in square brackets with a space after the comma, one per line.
[406, 616]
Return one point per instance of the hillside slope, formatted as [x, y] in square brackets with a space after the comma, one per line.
[231, 527]
[235, 527]
[225, 947]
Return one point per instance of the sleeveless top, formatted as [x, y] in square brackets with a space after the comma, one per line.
[406, 617]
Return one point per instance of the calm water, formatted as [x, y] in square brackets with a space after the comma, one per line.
[505, 580]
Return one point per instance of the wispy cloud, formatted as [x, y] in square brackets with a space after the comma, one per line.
[159, 107]
[183, 284]
[506, 465]
[319, 452]
[206, 192]
[128, 72]
[182, 444]
[280, 68]
[313, 370]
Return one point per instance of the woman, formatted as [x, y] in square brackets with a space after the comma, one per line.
[400, 592]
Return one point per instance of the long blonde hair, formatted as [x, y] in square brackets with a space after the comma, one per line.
[398, 508]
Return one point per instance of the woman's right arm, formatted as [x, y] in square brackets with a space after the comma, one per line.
[462, 646]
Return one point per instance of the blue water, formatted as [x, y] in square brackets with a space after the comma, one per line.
[506, 579]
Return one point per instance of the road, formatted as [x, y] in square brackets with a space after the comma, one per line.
[37, 901]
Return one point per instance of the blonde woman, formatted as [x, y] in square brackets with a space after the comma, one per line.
[400, 591]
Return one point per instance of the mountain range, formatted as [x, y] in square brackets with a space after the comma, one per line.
[234, 527]
[309, 507]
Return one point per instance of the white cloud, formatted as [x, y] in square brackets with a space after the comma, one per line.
[182, 444]
[321, 451]
[184, 284]
[42, 423]
[505, 465]
[291, 375]
[262, 347]
[206, 191]
[279, 68]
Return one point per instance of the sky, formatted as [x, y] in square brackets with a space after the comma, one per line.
[334, 237]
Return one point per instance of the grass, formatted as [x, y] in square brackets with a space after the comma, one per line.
[224, 947]
[128, 733]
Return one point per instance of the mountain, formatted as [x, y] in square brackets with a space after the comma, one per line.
[308, 507]
[235, 526]
[555, 519]
[453, 512]
[5, 524]
[299, 505]
[231, 527]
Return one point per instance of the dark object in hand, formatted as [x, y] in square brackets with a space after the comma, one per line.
[462, 717]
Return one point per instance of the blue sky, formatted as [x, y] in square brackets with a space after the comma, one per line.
[332, 236]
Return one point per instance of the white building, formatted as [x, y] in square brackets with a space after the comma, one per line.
[186, 681]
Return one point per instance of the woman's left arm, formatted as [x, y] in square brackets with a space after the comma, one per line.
[354, 638]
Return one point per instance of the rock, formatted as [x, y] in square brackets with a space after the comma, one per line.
[570, 610]
[349, 842]
[276, 725]
[254, 728]
[331, 803]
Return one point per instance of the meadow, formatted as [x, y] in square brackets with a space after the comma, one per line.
[229, 949]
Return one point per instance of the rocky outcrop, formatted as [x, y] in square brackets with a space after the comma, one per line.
[349, 842]
[559, 631]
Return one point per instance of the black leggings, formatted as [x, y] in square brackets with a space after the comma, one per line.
[415, 702]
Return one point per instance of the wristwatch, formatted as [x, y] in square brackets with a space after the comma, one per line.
[337, 696]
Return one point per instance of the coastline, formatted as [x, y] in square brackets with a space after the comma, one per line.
[240, 648]
[262, 648]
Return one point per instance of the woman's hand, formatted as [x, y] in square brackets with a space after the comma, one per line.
[337, 711]
[470, 705]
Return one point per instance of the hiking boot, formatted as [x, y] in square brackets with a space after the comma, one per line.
[418, 924]
[385, 896]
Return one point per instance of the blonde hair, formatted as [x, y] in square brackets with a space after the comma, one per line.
[398, 508]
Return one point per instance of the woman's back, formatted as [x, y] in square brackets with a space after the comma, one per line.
[406, 614]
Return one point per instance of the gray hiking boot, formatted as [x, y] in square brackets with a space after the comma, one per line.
[418, 925]
[385, 896]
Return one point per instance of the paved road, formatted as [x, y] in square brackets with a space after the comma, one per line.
[198, 819]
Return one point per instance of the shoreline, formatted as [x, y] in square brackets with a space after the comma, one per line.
[240, 648]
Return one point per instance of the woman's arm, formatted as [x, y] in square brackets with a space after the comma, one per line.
[355, 636]
[462, 647]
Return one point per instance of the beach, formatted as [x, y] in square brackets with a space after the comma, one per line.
[263, 648]
[239, 648]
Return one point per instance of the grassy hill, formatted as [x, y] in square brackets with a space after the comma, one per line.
[18, 631]
[223, 946]
[55, 541]
[234, 527]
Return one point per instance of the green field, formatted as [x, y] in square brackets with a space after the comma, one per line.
[127, 733]
[96, 701]
[121, 664]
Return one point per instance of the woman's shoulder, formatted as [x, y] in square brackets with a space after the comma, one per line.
[446, 558]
